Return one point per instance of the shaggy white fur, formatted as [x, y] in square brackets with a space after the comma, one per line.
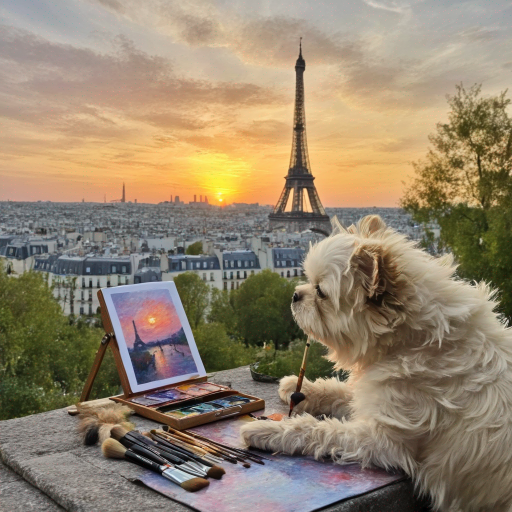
[430, 389]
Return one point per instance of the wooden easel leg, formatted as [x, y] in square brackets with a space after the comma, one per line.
[95, 367]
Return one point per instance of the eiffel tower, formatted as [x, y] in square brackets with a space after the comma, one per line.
[298, 216]
[138, 344]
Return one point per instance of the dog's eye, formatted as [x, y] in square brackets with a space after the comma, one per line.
[319, 292]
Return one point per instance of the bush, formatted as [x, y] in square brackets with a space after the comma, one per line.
[220, 352]
[263, 308]
[280, 363]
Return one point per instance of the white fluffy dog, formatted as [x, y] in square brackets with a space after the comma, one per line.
[430, 389]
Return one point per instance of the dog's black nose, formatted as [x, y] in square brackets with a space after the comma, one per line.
[296, 297]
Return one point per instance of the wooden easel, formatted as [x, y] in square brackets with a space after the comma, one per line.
[108, 340]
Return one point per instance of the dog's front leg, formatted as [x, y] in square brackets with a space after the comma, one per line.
[323, 396]
[344, 441]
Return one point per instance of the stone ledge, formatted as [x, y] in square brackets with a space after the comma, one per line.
[45, 451]
[17, 495]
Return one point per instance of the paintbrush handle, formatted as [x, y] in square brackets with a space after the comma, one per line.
[303, 367]
[180, 452]
[142, 461]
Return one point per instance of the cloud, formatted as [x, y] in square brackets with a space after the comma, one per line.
[388, 6]
[267, 41]
[403, 7]
[85, 93]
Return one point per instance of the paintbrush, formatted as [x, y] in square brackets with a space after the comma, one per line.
[131, 442]
[212, 449]
[160, 437]
[182, 442]
[232, 452]
[164, 443]
[250, 455]
[180, 460]
[198, 442]
[113, 449]
[298, 397]
[197, 447]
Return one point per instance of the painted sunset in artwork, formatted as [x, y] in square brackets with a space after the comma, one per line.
[154, 336]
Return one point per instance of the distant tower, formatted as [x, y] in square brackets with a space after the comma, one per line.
[171, 198]
[206, 199]
[138, 344]
[177, 199]
[299, 181]
[195, 198]
[123, 199]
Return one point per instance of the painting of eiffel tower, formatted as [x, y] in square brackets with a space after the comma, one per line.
[299, 206]
[152, 334]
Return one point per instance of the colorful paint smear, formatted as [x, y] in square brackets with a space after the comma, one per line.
[284, 484]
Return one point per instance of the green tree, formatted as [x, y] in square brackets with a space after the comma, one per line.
[44, 359]
[222, 309]
[195, 248]
[464, 185]
[194, 295]
[263, 307]
[219, 351]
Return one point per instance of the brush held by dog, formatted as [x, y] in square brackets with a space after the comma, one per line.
[430, 386]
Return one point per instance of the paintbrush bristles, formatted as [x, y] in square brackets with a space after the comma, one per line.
[195, 484]
[118, 431]
[216, 472]
[113, 449]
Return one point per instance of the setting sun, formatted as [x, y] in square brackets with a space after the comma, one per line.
[151, 320]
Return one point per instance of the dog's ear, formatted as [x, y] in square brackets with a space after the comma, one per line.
[377, 273]
[370, 225]
[366, 262]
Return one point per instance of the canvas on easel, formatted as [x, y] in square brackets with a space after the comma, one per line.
[153, 335]
[161, 371]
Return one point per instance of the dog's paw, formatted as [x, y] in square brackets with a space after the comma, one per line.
[287, 386]
[265, 435]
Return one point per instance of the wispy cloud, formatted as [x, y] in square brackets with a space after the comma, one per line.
[391, 6]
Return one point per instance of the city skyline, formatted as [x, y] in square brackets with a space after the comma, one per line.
[197, 97]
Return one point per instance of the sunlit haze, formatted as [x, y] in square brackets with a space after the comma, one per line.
[196, 97]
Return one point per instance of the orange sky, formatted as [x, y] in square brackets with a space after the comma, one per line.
[196, 97]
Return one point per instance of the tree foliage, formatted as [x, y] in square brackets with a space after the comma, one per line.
[194, 294]
[222, 309]
[464, 185]
[218, 350]
[44, 359]
[263, 308]
[280, 363]
[195, 249]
